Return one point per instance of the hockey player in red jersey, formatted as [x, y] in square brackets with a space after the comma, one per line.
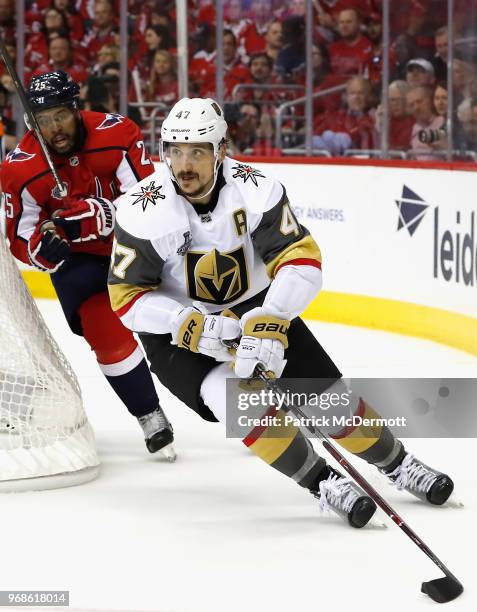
[98, 156]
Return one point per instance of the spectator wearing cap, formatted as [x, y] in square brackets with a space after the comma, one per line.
[353, 51]
[439, 61]
[419, 100]
[420, 72]
[350, 128]
[400, 122]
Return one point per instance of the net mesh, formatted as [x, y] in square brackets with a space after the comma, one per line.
[44, 430]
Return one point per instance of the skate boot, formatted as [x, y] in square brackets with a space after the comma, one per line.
[343, 496]
[158, 432]
[422, 481]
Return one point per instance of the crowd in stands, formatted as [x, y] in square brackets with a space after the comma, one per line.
[264, 66]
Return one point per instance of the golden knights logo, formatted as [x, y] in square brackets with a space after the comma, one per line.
[148, 195]
[218, 278]
[246, 172]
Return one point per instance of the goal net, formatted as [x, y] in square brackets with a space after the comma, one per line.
[46, 440]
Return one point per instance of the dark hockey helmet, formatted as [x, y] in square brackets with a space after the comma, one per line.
[52, 89]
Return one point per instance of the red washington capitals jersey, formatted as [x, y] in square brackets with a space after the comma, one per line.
[112, 160]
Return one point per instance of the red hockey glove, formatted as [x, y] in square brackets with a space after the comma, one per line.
[87, 219]
[46, 250]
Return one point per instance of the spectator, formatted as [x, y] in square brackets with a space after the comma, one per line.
[7, 19]
[234, 71]
[467, 137]
[107, 53]
[36, 49]
[162, 85]
[404, 48]
[374, 65]
[420, 103]
[440, 100]
[202, 63]
[352, 127]
[274, 39]
[60, 53]
[465, 86]
[73, 18]
[420, 72]
[400, 122]
[352, 52]
[261, 73]
[243, 121]
[291, 58]
[103, 31]
[441, 40]
[8, 126]
[155, 37]
[254, 38]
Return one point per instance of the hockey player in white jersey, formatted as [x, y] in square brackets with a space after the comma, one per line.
[205, 237]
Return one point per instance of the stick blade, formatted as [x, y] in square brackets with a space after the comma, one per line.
[442, 590]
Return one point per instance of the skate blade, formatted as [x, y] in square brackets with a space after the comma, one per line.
[169, 453]
[453, 502]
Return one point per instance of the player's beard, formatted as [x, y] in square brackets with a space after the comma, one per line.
[77, 141]
[197, 192]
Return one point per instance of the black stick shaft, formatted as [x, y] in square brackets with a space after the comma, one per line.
[31, 117]
[360, 480]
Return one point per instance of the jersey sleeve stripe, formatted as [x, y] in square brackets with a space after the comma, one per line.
[300, 261]
[123, 296]
[304, 249]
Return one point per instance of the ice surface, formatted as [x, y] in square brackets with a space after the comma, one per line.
[218, 531]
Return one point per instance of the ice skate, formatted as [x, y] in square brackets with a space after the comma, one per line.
[343, 496]
[422, 481]
[158, 433]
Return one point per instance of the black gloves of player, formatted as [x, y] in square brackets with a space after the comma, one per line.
[87, 219]
[46, 250]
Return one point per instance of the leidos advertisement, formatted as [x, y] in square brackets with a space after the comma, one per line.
[397, 233]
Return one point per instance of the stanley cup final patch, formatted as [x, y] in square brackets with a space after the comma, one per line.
[148, 195]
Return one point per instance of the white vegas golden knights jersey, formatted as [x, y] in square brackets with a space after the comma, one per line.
[220, 258]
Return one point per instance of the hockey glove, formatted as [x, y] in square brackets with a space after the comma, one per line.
[264, 341]
[87, 219]
[46, 250]
[206, 334]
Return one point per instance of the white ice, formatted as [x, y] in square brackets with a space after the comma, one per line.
[218, 531]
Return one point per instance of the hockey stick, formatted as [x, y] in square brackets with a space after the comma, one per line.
[31, 117]
[440, 590]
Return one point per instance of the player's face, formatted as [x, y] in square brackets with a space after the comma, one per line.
[58, 127]
[193, 167]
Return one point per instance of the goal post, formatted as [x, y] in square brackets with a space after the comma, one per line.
[46, 440]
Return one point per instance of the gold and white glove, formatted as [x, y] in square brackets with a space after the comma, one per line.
[206, 334]
[263, 342]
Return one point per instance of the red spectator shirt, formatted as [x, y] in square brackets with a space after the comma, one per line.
[348, 60]
[360, 127]
[112, 160]
[77, 71]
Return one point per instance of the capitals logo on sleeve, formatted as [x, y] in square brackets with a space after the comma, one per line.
[111, 120]
[246, 172]
[17, 155]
